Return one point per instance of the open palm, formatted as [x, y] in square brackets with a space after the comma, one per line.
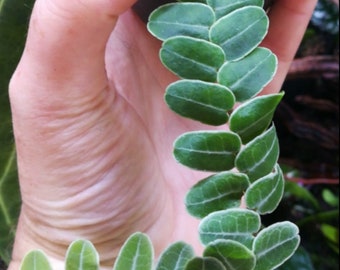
[93, 134]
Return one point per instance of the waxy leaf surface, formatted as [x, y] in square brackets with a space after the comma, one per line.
[223, 7]
[248, 76]
[275, 244]
[204, 263]
[207, 150]
[35, 260]
[232, 224]
[175, 257]
[81, 255]
[136, 253]
[232, 254]
[201, 101]
[254, 116]
[240, 32]
[265, 194]
[217, 192]
[181, 19]
[192, 58]
[259, 156]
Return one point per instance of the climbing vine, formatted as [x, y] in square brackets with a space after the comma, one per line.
[213, 47]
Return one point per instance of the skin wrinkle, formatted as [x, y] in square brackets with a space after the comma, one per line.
[47, 74]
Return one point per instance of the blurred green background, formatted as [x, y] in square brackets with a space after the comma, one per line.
[307, 122]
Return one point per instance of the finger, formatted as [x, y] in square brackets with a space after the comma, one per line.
[66, 43]
[288, 22]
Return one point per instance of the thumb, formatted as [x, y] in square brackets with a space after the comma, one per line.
[66, 43]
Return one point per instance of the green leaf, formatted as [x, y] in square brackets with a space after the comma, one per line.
[223, 7]
[205, 263]
[35, 260]
[232, 254]
[175, 257]
[292, 188]
[253, 117]
[330, 232]
[240, 32]
[275, 244]
[192, 58]
[81, 255]
[181, 19]
[207, 150]
[248, 76]
[14, 16]
[217, 192]
[232, 224]
[265, 194]
[259, 156]
[300, 260]
[201, 101]
[136, 253]
[9, 202]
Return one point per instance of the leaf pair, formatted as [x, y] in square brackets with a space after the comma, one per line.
[215, 55]
[237, 29]
[221, 151]
[229, 237]
[225, 190]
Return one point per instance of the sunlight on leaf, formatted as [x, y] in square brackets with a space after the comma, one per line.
[136, 253]
[82, 255]
[35, 260]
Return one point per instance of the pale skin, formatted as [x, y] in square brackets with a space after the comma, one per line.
[94, 136]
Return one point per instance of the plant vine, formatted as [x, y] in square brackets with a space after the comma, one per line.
[213, 46]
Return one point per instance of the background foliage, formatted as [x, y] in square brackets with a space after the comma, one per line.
[306, 122]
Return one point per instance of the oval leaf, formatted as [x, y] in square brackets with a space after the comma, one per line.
[192, 58]
[224, 7]
[232, 224]
[217, 192]
[204, 263]
[175, 257]
[35, 260]
[247, 77]
[275, 244]
[265, 194]
[207, 150]
[232, 254]
[81, 254]
[181, 19]
[253, 117]
[136, 253]
[259, 156]
[240, 32]
[201, 101]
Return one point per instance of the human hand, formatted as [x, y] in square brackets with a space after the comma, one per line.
[93, 135]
